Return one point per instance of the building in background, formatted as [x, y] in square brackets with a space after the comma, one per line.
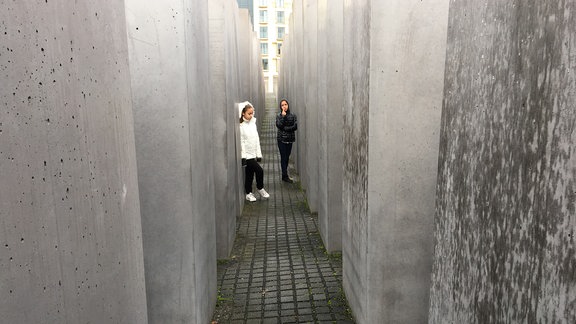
[271, 24]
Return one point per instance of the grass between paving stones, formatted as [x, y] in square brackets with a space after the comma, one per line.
[338, 300]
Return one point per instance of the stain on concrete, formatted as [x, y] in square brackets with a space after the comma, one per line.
[505, 211]
[355, 156]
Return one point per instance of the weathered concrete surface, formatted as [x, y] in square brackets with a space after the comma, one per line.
[505, 249]
[70, 233]
[356, 104]
[330, 49]
[170, 71]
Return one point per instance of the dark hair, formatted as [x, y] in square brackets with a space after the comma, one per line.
[248, 106]
[280, 103]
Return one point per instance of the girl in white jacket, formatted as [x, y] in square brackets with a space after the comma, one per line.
[251, 153]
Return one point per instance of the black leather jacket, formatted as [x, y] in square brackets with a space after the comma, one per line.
[286, 125]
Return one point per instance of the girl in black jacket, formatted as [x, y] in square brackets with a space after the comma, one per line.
[287, 124]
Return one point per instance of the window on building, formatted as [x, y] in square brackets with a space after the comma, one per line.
[280, 17]
[279, 48]
[263, 3]
[265, 64]
[264, 48]
[264, 32]
[280, 3]
[263, 15]
[281, 32]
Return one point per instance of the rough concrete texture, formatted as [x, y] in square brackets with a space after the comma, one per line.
[227, 89]
[170, 72]
[390, 72]
[505, 248]
[71, 246]
[330, 51]
[356, 77]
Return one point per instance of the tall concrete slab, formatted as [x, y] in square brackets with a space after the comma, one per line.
[505, 225]
[70, 233]
[356, 77]
[250, 63]
[297, 99]
[170, 71]
[224, 121]
[308, 122]
[408, 43]
[235, 92]
[380, 135]
[228, 88]
[251, 72]
[258, 94]
[330, 49]
[393, 80]
[245, 36]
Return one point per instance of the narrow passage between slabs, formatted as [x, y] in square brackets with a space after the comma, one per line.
[279, 271]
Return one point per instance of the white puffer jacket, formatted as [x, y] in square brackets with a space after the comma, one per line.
[249, 140]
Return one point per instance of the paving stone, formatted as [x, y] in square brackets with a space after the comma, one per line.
[288, 319]
[287, 305]
[272, 307]
[238, 315]
[323, 310]
[303, 298]
[285, 312]
[305, 311]
[324, 317]
[321, 305]
[271, 300]
[287, 299]
[271, 314]
[305, 319]
[317, 297]
[253, 316]
[257, 302]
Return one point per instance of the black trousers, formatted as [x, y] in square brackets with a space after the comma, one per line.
[285, 150]
[252, 167]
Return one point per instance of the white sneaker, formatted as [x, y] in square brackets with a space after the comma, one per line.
[263, 193]
[250, 197]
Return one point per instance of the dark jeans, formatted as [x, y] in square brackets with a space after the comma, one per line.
[253, 167]
[285, 150]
